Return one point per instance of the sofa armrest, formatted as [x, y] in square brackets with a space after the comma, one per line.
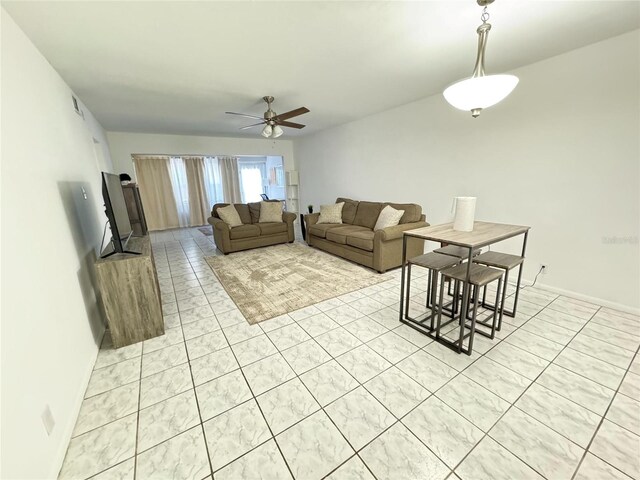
[218, 224]
[395, 232]
[311, 219]
[289, 217]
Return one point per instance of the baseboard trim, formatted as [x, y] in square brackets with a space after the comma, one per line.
[586, 298]
[67, 434]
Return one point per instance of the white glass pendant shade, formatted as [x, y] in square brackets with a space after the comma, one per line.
[476, 93]
[266, 131]
[277, 131]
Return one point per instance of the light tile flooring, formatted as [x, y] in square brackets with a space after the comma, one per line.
[341, 390]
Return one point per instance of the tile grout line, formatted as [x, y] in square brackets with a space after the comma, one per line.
[549, 362]
[322, 408]
[423, 347]
[602, 419]
[195, 395]
[135, 453]
[526, 389]
[511, 404]
[255, 399]
[360, 384]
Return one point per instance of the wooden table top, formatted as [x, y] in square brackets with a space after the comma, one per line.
[484, 233]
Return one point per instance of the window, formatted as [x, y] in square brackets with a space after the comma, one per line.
[253, 173]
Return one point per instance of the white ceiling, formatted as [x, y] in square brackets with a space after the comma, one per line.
[176, 67]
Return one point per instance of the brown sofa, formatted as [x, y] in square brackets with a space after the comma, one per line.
[355, 239]
[251, 234]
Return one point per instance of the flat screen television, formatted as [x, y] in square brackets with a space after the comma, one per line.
[116, 210]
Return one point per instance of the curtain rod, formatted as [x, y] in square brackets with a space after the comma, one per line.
[197, 155]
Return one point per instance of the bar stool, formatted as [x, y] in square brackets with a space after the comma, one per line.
[506, 262]
[459, 252]
[434, 262]
[480, 276]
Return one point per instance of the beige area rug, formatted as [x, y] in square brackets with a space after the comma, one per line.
[270, 281]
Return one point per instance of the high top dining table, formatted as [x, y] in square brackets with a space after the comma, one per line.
[482, 235]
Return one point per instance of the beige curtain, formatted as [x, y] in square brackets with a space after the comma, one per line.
[156, 192]
[230, 179]
[199, 204]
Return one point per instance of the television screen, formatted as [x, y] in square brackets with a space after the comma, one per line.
[116, 210]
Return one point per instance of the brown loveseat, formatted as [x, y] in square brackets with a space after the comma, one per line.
[250, 234]
[355, 239]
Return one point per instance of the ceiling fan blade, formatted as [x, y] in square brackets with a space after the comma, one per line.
[290, 124]
[245, 115]
[292, 113]
[254, 125]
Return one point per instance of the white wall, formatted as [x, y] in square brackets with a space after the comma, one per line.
[50, 321]
[561, 154]
[123, 145]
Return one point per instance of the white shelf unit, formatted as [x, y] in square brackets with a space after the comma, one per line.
[292, 179]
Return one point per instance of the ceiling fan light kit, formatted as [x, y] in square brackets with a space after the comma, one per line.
[480, 91]
[273, 122]
[267, 131]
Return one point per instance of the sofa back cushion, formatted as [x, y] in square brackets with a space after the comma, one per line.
[367, 214]
[349, 209]
[243, 211]
[412, 212]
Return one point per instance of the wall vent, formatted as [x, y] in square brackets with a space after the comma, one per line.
[76, 106]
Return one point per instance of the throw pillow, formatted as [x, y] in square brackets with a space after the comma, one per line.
[331, 213]
[389, 217]
[270, 212]
[229, 215]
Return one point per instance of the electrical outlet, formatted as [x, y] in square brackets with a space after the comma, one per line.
[48, 420]
[544, 268]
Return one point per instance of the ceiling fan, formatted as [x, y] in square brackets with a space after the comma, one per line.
[273, 122]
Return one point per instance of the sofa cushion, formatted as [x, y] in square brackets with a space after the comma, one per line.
[254, 211]
[244, 231]
[241, 208]
[362, 240]
[339, 234]
[229, 215]
[349, 209]
[389, 217]
[367, 214]
[331, 213]
[412, 212]
[320, 230]
[272, 228]
[270, 212]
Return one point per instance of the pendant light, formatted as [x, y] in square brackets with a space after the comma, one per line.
[480, 91]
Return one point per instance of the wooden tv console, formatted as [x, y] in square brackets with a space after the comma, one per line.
[130, 293]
